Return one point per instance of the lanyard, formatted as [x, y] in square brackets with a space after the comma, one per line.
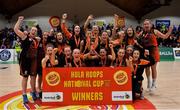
[104, 62]
[60, 49]
[68, 64]
[120, 62]
[77, 41]
[96, 42]
[87, 44]
[36, 43]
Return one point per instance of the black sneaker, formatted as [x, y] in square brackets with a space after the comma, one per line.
[40, 95]
[25, 99]
[34, 97]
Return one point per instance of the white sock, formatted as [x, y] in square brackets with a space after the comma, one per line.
[142, 95]
[148, 82]
[154, 82]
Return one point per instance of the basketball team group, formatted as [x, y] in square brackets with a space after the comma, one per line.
[89, 46]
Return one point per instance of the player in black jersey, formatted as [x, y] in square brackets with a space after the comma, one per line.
[28, 58]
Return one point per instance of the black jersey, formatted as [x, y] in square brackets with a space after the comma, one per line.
[139, 68]
[28, 57]
[105, 63]
[77, 64]
[91, 62]
[29, 48]
[48, 64]
[75, 42]
[61, 60]
[121, 63]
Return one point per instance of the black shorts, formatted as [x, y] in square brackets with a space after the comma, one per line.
[40, 56]
[28, 66]
[136, 85]
[39, 70]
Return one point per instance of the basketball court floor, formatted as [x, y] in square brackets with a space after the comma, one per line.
[166, 96]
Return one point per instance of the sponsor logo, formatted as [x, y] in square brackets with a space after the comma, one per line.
[177, 53]
[120, 77]
[5, 55]
[53, 78]
[166, 53]
[121, 96]
[52, 97]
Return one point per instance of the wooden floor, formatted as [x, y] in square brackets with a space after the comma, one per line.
[167, 95]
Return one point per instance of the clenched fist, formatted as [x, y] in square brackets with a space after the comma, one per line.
[90, 17]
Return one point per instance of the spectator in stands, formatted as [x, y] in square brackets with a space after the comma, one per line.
[178, 42]
[18, 48]
[39, 31]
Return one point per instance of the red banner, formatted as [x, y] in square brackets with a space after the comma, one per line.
[87, 86]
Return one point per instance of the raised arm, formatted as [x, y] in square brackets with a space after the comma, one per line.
[136, 42]
[53, 59]
[161, 35]
[113, 55]
[115, 25]
[130, 64]
[17, 30]
[64, 28]
[90, 56]
[90, 17]
[81, 46]
[44, 60]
